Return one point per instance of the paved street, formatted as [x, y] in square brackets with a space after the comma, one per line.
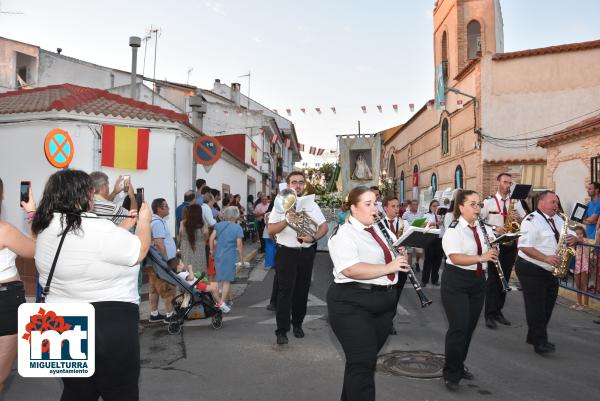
[242, 362]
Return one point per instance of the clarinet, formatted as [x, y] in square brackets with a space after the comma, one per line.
[486, 238]
[411, 274]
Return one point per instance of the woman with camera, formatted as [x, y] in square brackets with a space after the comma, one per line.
[98, 263]
[12, 292]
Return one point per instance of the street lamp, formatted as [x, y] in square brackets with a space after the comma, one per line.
[474, 98]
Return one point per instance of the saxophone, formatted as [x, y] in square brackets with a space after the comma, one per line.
[564, 251]
[511, 226]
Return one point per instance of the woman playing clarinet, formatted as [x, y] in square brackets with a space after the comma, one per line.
[463, 283]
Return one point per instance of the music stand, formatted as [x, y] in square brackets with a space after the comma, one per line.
[520, 192]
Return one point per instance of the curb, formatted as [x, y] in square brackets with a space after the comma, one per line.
[247, 258]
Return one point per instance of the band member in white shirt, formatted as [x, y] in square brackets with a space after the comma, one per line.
[433, 251]
[410, 216]
[495, 212]
[362, 299]
[391, 207]
[535, 263]
[294, 262]
[463, 283]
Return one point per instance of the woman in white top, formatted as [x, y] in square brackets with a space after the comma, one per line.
[12, 293]
[463, 283]
[362, 300]
[433, 252]
[99, 264]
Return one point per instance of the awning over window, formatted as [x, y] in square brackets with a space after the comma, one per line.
[534, 174]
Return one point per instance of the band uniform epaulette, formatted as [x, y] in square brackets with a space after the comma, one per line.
[453, 224]
[529, 217]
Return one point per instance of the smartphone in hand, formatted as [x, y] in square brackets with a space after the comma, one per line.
[25, 185]
[139, 196]
[126, 179]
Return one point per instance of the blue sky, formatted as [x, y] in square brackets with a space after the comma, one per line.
[311, 53]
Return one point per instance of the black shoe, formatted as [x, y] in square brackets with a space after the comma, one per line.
[393, 331]
[542, 349]
[271, 307]
[490, 323]
[417, 268]
[502, 320]
[298, 332]
[467, 375]
[450, 385]
[282, 339]
[435, 284]
[550, 345]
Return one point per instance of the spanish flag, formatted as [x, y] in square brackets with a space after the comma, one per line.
[124, 147]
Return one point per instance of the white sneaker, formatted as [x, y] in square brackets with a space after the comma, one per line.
[224, 308]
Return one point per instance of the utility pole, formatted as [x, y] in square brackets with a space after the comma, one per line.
[358, 127]
[155, 31]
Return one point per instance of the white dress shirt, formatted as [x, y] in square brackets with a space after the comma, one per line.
[351, 245]
[459, 239]
[537, 233]
[97, 263]
[410, 216]
[207, 215]
[288, 237]
[399, 226]
[491, 212]
[435, 221]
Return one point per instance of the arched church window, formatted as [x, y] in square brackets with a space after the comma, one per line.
[473, 40]
[458, 177]
[445, 58]
[402, 187]
[445, 147]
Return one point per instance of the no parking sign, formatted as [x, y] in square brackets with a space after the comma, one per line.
[59, 149]
[207, 150]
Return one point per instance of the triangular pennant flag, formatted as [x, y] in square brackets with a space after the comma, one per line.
[459, 104]
[364, 109]
[379, 108]
[288, 111]
[318, 109]
[313, 150]
[320, 152]
[333, 109]
[303, 110]
[411, 106]
[301, 147]
[395, 107]
[275, 111]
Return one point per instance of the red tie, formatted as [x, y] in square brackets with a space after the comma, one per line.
[556, 235]
[479, 250]
[392, 226]
[387, 255]
[504, 211]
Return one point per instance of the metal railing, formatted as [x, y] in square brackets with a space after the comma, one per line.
[584, 273]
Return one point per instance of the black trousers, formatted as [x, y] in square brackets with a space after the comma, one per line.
[261, 229]
[431, 265]
[494, 296]
[275, 290]
[293, 269]
[462, 299]
[117, 357]
[361, 319]
[540, 289]
[400, 285]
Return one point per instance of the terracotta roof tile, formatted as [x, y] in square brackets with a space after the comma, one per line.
[594, 44]
[81, 99]
[582, 127]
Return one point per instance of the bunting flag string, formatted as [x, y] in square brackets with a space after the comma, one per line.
[313, 150]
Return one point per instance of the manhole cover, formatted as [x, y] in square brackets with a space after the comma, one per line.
[414, 364]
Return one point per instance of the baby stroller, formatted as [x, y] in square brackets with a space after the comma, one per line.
[189, 298]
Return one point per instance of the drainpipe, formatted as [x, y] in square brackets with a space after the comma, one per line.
[135, 42]
[198, 111]
[175, 174]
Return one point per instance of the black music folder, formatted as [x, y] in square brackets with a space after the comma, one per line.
[417, 237]
[520, 191]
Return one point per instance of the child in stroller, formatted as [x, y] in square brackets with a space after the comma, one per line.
[194, 292]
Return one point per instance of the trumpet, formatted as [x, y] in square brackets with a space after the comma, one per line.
[486, 238]
[411, 274]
